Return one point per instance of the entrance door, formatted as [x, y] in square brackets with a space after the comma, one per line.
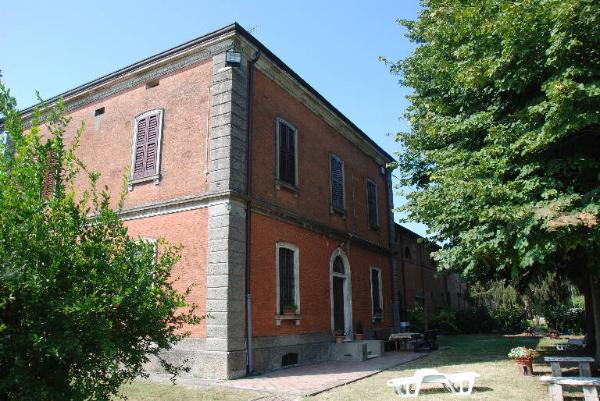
[341, 298]
[339, 322]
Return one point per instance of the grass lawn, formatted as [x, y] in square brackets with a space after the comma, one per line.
[142, 391]
[499, 381]
[485, 354]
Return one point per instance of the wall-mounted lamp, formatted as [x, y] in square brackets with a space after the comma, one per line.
[233, 58]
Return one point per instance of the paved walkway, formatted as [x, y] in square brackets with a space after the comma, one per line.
[313, 379]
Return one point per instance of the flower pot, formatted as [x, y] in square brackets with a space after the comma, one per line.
[359, 337]
[525, 366]
[289, 311]
[339, 339]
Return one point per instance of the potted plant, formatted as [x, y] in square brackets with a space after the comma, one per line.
[524, 358]
[289, 309]
[358, 331]
[339, 336]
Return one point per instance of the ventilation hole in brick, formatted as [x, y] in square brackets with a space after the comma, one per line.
[289, 359]
[99, 112]
[152, 83]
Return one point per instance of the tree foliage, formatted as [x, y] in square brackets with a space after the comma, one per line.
[503, 155]
[82, 304]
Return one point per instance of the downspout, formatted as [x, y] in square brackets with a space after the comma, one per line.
[403, 278]
[249, 352]
[391, 242]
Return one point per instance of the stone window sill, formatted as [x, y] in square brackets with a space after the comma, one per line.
[132, 182]
[287, 186]
[337, 210]
[294, 318]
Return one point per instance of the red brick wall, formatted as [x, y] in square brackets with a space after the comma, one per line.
[314, 267]
[316, 139]
[190, 230]
[106, 142]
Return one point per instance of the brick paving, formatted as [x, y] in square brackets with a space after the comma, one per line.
[313, 379]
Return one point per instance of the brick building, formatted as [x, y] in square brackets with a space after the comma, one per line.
[418, 282]
[280, 202]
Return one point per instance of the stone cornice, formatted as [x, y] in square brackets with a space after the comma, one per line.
[273, 210]
[176, 205]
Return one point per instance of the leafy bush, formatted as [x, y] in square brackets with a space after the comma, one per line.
[416, 318]
[509, 320]
[445, 322]
[82, 304]
[476, 320]
[565, 319]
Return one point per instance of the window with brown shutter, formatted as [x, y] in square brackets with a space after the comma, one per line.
[372, 211]
[51, 175]
[376, 295]
[287, 277]
[287, 160]
[337, 182]
[146, 146]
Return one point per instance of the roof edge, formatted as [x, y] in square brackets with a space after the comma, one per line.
[234, 27]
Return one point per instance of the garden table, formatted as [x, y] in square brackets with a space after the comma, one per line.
[583, 362]
[404, 338]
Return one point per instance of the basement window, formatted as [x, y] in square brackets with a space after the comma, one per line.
[99, 112]
[152, 84]
[289, 359]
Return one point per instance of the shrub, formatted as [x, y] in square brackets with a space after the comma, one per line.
[509, 319]
[476, 320]
[445, 322]
[82, 304]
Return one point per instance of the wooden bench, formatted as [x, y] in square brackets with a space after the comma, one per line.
[583, 362]
[589, 384]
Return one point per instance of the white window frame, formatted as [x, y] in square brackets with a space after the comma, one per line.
[334, 208]
[155, 177]
[278, 122]
[296, 251]
[7, 142]
[376, 318]
[376, 223]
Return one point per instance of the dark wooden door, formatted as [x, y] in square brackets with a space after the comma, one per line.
[338, 304]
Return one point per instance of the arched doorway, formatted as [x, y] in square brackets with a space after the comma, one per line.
[341, 293]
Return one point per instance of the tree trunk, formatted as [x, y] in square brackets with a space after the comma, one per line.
[595, 295]
[586, 290]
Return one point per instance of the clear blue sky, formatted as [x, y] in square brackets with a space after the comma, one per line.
[53, 46]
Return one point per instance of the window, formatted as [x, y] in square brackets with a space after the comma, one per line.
[288, 292]
[376, 294]
[337, 182]
[372, 211]
[145, 163]
[51, 177]
[407, 254]
[287, 156]
[6, 144]
[289, 359]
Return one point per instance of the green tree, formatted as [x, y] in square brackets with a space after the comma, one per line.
[82, 304]
[502, 160]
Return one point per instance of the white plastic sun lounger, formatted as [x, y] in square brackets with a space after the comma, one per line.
[458, 383]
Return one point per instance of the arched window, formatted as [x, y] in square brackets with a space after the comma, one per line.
[338, 265]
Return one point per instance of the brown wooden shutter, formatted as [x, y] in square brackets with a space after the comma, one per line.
[146, 146]
[372, 203]
[50, 177]
[140, 147]
[287, 285]
[151, 146]
[337, 183]
[287, 154]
